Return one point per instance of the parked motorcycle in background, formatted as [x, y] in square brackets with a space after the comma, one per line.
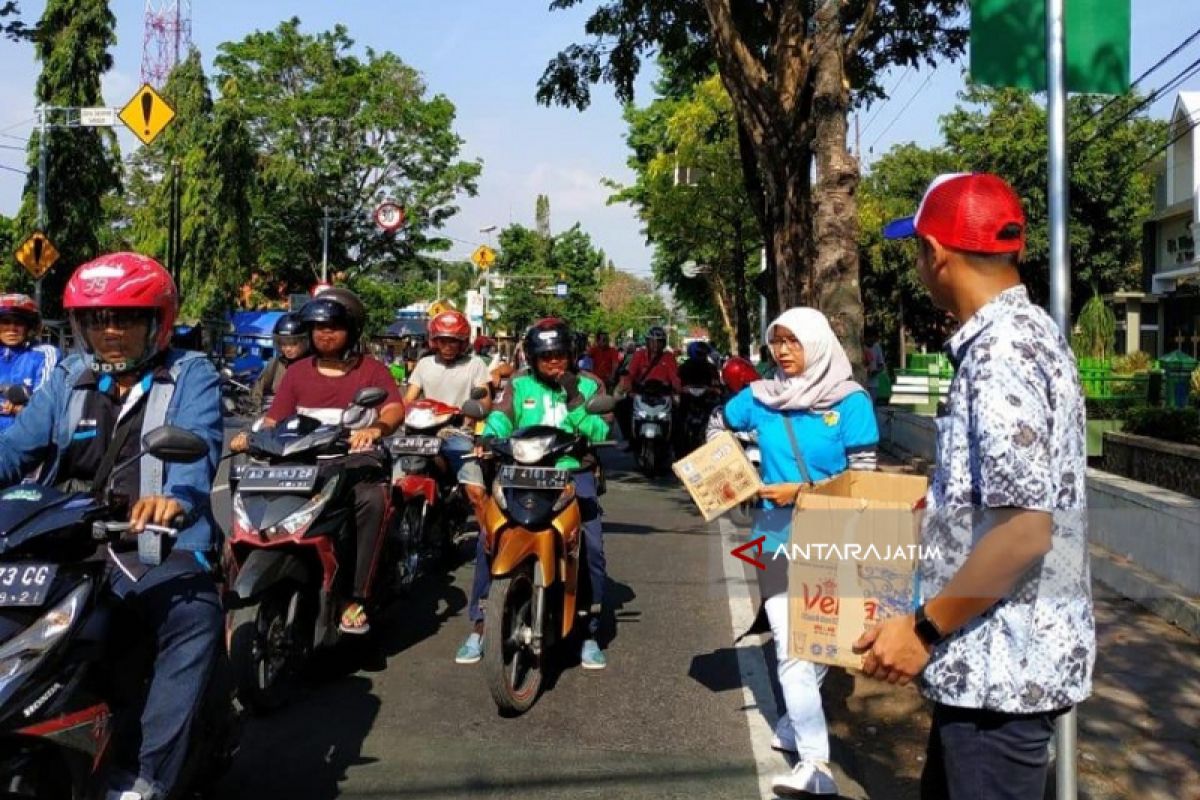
[74, 661]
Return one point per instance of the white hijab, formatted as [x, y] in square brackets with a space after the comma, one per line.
[827, 378]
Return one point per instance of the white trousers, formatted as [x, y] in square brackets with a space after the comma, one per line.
[804, 718]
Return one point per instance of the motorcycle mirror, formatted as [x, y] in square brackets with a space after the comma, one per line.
[174, 445]
[226, 373]
[601, 404]
[370, 397]
[473, 409]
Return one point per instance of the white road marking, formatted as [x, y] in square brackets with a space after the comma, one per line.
[752, 667]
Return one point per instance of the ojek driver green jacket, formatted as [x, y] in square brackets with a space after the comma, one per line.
[530, 402]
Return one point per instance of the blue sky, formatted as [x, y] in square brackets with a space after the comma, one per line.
[486, 56]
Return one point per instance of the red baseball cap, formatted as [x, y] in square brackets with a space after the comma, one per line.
[974, 212]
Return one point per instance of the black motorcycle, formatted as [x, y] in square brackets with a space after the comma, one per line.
[73, 663]
[286, 559]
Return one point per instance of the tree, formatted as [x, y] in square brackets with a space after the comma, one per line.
[542, 214]
[626, 304]
[708, 220]
[337, 132]
[14, 29]
[82, 165]
[207, 151]
[790, 67]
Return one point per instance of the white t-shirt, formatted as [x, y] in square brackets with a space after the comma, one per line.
[450, 384]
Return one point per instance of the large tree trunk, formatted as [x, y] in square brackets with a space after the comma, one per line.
[720, 298]
[740, 301]
[786, 180]
[836, 289]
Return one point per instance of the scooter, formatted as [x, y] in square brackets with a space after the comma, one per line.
[532, 528]
[235, 394]
[431, 511]
[652, 407]
[73, 665]
[284, 557]
[696, 406]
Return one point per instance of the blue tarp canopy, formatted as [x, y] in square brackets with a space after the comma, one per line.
[406, 327]
[257, 324]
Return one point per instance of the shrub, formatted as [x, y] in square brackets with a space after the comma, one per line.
[1196, 383]
[1170, 424]
[1132, 363]
[1115, 408]
[1095, 330]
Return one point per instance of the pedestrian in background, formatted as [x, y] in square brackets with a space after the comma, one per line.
[1004, 641]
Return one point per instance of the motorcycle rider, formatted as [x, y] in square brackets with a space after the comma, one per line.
[606, 360]
[650, 363]
[92, 413]
[450, 375]
[323, 386]
[291, 344]
[23, 366]
[737, 374]
[550, 394]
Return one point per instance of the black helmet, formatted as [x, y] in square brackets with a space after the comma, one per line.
[327, 310]
[353, 305]
[656, 334]
[289, 329]
[550, 335]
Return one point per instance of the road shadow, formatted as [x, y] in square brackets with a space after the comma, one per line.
[287, 755]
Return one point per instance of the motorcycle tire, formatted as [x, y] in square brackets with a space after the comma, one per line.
[409, 537]
[514, 674]
[742, 515]
[647, 458]
[265, 650]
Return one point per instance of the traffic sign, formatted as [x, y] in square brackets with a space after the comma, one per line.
[37, 254]
[147, 114]
[97, 117]
[483, 257]
[439, 307]
[389, 216]
[560, 290]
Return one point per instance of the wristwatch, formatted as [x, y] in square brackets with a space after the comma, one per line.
[927, 630]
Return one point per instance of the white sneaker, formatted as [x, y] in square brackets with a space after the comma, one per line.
[808, 779]
[784, 738]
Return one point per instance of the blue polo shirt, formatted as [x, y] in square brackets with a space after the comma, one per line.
[826, 438]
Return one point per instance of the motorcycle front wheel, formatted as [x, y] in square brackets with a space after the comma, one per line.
[514, 672]
[266, 648]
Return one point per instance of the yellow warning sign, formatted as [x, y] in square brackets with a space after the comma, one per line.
[483, 257]
[147, 114]
[439, 307]
[37, 254]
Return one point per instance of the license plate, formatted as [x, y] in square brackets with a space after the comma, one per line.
[278, 479]
[25, 583]
[415, 445]
[511, 477]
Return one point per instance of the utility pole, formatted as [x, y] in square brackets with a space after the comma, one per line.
[43, 165]
[325, 245]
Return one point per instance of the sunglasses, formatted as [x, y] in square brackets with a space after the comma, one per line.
[556, 356]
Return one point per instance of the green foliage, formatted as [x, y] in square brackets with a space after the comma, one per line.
[340, 132]
[1195, 384]
[14, 29]
[1171, 424]
[711, 222]
[1132, 363]
[1096, 329]
[1114, 408]
[1004, 131]
[627, 305]
[207, 148]
[73, 49]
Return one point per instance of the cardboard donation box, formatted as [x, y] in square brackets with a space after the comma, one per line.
[853, 557]
[718, 476]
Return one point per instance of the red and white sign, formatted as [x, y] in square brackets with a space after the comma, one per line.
[320, 287]
[389, 217]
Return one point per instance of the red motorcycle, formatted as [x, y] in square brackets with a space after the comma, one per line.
[430, 507]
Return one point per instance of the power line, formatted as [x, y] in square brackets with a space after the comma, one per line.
[1180, 78]
[1153, 155]
[13, 169]
[928, 78]
[891, 93]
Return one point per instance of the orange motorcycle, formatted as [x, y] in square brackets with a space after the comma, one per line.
[532, 529]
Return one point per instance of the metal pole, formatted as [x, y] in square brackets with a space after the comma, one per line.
[325, 246]
[1060, 298]
[439, 284]
[43, 165]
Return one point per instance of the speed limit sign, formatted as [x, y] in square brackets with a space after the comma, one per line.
[389, 216]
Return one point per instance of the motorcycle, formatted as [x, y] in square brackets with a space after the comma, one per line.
[431, 511]
[284, 556]
[652, 408]
[73, 665]
[533, 535]
[235, 394]
[696, 406]
[742, 514]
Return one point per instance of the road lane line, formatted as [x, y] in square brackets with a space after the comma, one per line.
[757, 693]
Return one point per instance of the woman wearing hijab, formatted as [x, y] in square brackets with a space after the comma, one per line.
[813, 422]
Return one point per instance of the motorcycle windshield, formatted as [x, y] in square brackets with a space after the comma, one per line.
[29, 511]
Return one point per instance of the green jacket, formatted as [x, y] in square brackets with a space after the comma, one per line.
[530, 402]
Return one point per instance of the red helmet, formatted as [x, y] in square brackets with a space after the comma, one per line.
[738, 373]
[450, 325]
[24, 309]
[129, 281]
[482, 343]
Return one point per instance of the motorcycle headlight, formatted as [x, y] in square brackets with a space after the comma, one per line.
[21, 653]
[298, 521]
[241, 520]
[531, 451]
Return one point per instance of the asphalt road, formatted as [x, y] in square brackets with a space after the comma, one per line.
[395, 717]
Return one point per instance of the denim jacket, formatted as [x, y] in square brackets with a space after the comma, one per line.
[41, 434]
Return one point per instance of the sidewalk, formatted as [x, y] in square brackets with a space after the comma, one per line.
[1139, 734]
